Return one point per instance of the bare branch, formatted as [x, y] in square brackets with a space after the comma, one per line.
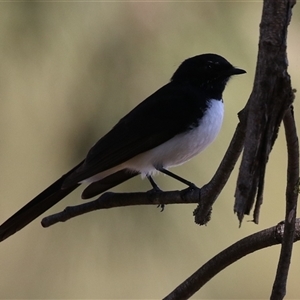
[110, 200]
[271, 97]
[279, 287]
[265, 238]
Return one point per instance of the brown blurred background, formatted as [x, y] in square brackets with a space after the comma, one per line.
[69, 72]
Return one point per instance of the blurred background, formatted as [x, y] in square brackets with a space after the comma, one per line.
[69, 72]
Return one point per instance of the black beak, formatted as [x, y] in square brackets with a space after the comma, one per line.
[236, 71]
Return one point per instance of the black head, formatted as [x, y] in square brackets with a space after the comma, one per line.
[211, 71]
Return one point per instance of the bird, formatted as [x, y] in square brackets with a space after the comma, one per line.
[168, 128]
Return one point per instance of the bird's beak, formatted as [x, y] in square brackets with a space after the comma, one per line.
[236, 71]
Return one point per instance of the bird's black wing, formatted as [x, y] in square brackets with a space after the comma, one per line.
[157, 119]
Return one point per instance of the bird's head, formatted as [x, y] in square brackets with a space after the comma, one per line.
[208, 70]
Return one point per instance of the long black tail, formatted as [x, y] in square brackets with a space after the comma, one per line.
[36, 207]
[54, 194]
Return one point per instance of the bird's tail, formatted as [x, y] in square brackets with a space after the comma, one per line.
[53, 194]
[36, 207]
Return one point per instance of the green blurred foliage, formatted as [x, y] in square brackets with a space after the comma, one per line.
[69, 72]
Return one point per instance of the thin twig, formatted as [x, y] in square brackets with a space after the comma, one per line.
[279, 286]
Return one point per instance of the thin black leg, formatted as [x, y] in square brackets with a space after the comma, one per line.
[153, 183]
[167, 172]
[155, 189]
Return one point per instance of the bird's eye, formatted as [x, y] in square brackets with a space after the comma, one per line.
[209, 64]
[212, 65]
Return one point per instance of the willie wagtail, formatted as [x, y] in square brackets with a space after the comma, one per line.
[168, 128]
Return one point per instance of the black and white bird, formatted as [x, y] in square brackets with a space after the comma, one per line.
[167, 129]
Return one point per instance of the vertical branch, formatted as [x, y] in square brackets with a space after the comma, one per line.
[271, 97]
[279, 287]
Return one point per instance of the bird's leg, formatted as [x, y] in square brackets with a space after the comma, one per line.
[167, 172]
[153, 183]
[155, 190]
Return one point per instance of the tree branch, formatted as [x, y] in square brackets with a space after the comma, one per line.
[271, 96]
[265, 238]
[279, 286]
[110, 200]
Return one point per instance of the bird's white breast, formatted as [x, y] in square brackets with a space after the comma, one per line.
[184, 146]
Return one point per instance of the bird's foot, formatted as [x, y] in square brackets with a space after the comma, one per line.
[161, 206]
[154, 191]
